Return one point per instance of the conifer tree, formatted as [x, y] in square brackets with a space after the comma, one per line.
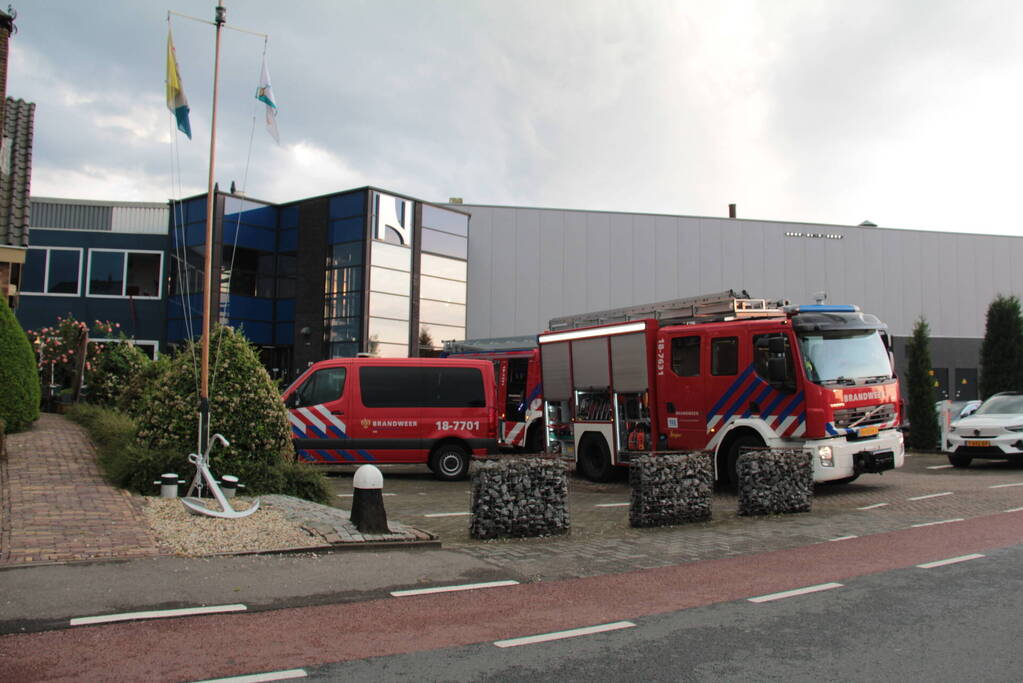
[1001, 354]
[924, 431]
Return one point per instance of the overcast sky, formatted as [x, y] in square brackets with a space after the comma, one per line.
[901, 112]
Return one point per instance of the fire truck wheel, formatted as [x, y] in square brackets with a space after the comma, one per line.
[734, 451]
[449, 462]
[594, 459]
[959, 460]
[535, 438]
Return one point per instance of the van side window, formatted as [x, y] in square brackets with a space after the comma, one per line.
[323, 386]
[418, 387]
[724, 356]
[685, 356]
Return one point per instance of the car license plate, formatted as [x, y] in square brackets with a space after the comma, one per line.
[868, 431]
[978, 444]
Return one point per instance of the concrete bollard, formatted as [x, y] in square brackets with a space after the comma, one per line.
[368, 514]
[169, 485]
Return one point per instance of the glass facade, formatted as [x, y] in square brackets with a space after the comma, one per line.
[443, 276]
[343, 286]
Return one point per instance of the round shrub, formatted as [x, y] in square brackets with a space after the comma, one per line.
[116, 367]
[245, 405]
[19, 379]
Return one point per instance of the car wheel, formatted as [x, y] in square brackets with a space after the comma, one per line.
[746, 441]
[960, 460]
[594, 459]
[450, 462]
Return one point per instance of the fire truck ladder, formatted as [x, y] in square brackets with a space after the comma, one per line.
[490, 345]
[726, 305]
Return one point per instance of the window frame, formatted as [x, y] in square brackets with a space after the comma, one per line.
[46, 272]
[699, 360]
[124, 275]
[715, 344]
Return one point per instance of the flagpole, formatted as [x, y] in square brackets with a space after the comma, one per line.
[204, 394]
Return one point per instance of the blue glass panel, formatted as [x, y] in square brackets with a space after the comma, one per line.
[347, 230]
[33, 273]
[289, 217]
[285, 334]
[195, 234]
[251, 213]
[288, 240]
[175, 330]
[63, 272]
[285, 309]
[176, 307]
[255, 332]
[195, 210]
[249, 236]
[249, 307]
[106, 273]
[448, 221]
[345, 205]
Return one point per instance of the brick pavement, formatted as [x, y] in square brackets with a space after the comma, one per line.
[56, 507]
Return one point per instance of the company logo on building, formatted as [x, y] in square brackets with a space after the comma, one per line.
[392, 219]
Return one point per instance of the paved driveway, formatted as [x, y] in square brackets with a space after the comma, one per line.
[924, 491]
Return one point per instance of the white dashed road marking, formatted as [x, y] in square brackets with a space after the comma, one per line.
[793, 593]
[871, 507]
[939, 467]
[931, 495]
[451, 589]
[1005, 486]
[259, 678]
[559, 635]
[944, 521]
[843, 538]
[1015, 510]
[951, 560]
[157, 614]
[612, 505]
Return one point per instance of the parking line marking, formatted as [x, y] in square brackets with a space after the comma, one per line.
[559, 635]
[1014, 510]
[259, 678]
[612, 505]
[871, 507]
[939, 467]
[1005, 486]
[843, 538]
[157, 614]
[931, 495]
[793, 593]
[451, 589]
[448, 514]
[951, 560]
[944, 521]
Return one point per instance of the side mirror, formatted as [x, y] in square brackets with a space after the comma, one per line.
[777, 345]
[777, 370]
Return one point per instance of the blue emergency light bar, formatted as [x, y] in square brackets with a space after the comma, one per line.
[822, 308]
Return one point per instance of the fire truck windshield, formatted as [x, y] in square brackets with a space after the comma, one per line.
[847, 357]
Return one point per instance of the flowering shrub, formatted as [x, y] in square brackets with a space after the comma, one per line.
[117, 366]
[58, 348]
[19, 388]
[245, 405]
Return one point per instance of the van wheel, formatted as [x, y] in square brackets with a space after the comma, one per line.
[731, 473]
[594, 462]
[449, 462]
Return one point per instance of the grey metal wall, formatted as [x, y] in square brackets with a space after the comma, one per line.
[529, 265]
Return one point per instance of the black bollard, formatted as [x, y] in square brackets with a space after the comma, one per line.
[368, 514]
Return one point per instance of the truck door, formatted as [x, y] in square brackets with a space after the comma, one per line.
[318, 411]
[681, 392]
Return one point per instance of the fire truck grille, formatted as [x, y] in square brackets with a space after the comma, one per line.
[853, 416]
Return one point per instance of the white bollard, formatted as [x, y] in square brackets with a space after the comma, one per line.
[368, 514]
[169, 485]
[229, 485]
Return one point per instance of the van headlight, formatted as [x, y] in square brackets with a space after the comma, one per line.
[826, 456]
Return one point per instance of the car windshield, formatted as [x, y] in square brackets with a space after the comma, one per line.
[845, 357]
[1002, 405]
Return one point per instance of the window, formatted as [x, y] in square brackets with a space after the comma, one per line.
[125, 273]
[52, 271]
[323, 387]
[724, 356]
[685, 356]
[419, 387]
[445, 243]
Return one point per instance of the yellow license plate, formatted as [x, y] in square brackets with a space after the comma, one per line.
[869, 431]
[978, 444]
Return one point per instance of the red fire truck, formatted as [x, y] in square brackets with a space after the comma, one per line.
[723, 373]
[517, 380]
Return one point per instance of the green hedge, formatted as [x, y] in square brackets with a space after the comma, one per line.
[20, 391]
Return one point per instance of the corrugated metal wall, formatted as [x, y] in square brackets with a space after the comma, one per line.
[148, 219]
[529, 265]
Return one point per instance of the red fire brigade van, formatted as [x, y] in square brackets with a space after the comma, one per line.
[723, 373]
[519, 393]
[437, 412]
